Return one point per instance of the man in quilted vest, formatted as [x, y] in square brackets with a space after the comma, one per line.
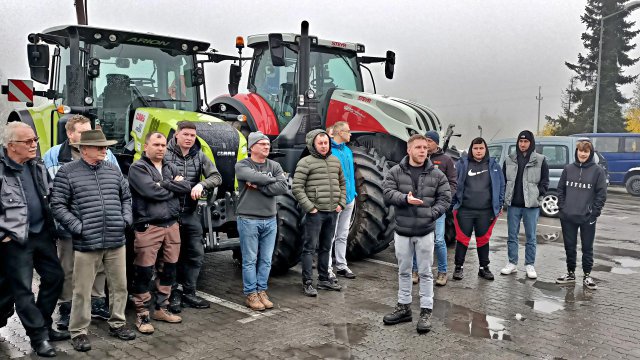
[319, 187]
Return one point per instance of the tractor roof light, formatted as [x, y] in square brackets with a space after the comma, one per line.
[195, 48]
[239, 42]
[113, 38]
[97, 36]
[185, 47]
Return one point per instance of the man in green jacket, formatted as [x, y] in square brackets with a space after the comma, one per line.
[319, 187]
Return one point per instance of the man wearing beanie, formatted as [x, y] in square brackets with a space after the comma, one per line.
[523, 199]
[445, 164]
[260, 180]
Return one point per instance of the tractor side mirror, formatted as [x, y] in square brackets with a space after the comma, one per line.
[389, 64]
[234, 79]
[276, 49]
[38, 56]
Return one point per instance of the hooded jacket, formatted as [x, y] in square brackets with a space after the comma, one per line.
[345, 155]
[495, 173]
[582, 191]
[318, 181]
[444, 163]
[193, 167]
[432, 188]
[526, 175]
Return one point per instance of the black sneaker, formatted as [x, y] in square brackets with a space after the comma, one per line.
[58, 335]
[458, 274]
[122, 333]
[588, 282]
[346, 273]
[99, 309]
[175, 301]
[81, 343]
[193, 301]
[64, 309]
[308, 289]
[568, 278]
[485, 273]
[424, 322]
[401, 313]
[329, 285]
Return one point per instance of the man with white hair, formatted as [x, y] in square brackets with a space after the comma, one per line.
[26, 226]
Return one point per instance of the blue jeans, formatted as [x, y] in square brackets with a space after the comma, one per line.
[529, 217]
[257, 240]
[440, 246]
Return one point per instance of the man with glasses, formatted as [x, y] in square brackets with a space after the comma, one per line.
[26, 242]
[341, 136]
[91, 199]
[55, 158]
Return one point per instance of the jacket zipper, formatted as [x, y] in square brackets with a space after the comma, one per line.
[104, 220]
[330, 186]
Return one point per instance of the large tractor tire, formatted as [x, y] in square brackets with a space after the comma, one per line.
[372, 225]
[288, 249]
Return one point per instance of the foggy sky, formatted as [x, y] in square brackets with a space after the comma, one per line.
[473, 62]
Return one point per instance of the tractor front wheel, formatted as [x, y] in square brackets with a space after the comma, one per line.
[288, 249]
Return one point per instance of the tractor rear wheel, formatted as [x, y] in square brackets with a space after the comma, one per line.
[372, 225]
[288, 249]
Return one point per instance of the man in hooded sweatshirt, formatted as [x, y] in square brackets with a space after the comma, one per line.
[527, 175]
[476, 205]
[582, 192]
[319, 187]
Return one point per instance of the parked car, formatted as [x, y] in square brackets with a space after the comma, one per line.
[558, 150]
[622, 151]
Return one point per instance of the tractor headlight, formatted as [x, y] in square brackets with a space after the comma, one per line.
[88, 100]
[311, 94]
[223, 107]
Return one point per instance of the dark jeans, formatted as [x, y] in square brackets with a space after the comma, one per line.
[319, 229]
[468, 221]
[587, 236]
[191, 251]
[19, 262]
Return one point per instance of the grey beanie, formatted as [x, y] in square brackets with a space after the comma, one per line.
[254, 137]
[433, 135]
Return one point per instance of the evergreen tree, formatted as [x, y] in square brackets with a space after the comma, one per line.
[616, 44]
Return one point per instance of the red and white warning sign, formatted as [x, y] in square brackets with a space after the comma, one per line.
[20, 90]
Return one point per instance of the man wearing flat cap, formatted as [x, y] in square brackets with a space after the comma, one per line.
[91, 199]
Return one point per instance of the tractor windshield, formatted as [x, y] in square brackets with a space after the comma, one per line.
[133, 76]
[329, 68]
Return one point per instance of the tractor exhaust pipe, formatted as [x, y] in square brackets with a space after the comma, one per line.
[303, 59]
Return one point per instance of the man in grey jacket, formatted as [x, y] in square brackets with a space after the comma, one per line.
[260, 180]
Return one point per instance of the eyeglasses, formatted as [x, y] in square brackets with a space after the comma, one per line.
[346, 131]
[98, 147]
[27, 142]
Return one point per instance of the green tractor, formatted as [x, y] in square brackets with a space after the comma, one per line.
[130, 84]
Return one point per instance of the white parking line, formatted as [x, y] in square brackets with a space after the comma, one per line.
[382, 263]
[239, 308]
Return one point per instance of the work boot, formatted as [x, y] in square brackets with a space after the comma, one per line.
[308, 289]
[458, 273]
[401, 313]
[58, 335]
[43, 348]
[190, 299]
[81, 343]
[485, 273]
[441, 279]
[99, 309]
[424, 322]
[415, 277]
[64, 309]
[329, 285]
[253, 302]
[163, 314]
[264, 299]
[122, 333]
[175, 301]
[143, 324]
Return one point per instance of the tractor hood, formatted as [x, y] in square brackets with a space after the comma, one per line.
[380, 113]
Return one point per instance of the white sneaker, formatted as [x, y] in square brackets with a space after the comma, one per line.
[509, 269]
[332, 276]
[531, 272]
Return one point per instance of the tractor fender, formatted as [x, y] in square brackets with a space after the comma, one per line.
[259, 114]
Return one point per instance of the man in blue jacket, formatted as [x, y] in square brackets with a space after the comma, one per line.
[341, 136]
[477, 205]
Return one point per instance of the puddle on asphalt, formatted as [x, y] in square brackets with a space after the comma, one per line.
[556, 297]
[349, 333]
[627, 266]
[468, 322]
[545, 306]
[627, 262]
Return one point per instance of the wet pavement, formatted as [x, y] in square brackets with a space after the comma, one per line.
[509, 318]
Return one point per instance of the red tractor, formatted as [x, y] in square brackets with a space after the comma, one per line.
[300, 82]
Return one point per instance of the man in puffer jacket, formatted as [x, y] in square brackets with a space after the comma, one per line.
[91, 199]
[582, 192]
[319, 187]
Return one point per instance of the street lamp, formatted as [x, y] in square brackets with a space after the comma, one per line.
[630, 6]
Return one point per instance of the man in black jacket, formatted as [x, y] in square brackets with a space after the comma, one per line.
[26, 241]
[416, 217]
[582, 192]
[91, 198]
[184, 152]
[155, 186]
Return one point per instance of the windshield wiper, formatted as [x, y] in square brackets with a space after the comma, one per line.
[348, 64]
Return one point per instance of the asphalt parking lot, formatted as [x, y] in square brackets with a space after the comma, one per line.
[509, 318]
